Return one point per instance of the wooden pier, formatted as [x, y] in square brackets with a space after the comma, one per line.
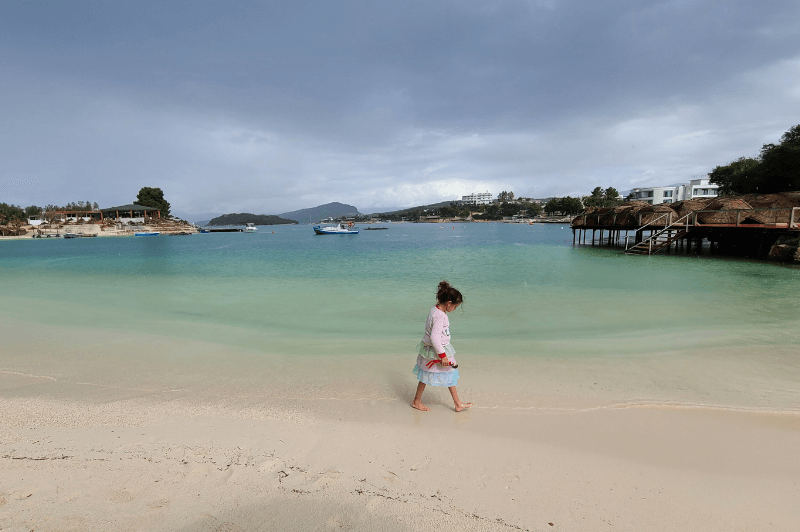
[752, 231]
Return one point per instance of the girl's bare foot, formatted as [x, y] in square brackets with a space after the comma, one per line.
[462, 406]
[419, 406]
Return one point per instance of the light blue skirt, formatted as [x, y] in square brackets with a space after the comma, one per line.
[447, 377]
[436, 378]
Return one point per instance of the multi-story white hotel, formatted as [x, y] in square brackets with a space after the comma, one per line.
[694, 189]
[478, 198]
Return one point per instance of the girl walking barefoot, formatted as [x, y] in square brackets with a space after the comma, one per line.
[436, 359]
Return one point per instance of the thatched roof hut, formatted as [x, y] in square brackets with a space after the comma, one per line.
[682, 208]
[773, 208]
[655, 214]
[783, 200]
[727, 207]
[10, 230]
[755, 209]
[619, 216]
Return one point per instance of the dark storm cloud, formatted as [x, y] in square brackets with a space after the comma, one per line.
[385, 103]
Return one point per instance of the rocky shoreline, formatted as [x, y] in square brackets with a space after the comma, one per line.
[94, 229]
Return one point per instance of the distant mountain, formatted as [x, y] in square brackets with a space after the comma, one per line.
[247, 218]
[315, 214]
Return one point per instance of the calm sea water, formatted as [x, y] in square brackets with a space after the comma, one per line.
[544, 323]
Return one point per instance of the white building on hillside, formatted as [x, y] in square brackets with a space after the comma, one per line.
[478, 198]
[694, 189]
[701, 188]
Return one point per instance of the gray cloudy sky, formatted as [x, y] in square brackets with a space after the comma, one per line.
[268, 107]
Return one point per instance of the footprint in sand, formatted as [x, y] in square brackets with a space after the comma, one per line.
[270, 465]
[338, 522]
[120, 496]
[161, 503]
[305, 482]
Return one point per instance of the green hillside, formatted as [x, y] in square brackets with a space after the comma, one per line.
[248, 218]
[315, 214]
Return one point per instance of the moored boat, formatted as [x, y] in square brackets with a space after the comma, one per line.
[147, 233]
[340, 229]
[250, 228]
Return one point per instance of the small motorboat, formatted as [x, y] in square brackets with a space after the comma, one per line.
[147, 233]
[340, 229]
[250, 228]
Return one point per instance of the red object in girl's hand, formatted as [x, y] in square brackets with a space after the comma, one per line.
[442, 356]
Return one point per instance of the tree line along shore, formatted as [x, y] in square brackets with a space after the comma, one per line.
[53, 220]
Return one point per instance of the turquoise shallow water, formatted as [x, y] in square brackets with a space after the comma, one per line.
[537, 310]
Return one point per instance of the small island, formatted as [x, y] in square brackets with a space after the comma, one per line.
[248, 218]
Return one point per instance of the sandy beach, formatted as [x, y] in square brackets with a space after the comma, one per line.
[96, 230]
[76, 456]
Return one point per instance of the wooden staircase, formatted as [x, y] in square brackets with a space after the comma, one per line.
[661, 239]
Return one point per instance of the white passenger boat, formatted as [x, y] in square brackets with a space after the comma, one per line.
[340, 229]
[250, 228]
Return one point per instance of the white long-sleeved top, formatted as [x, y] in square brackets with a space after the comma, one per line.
[437, 330]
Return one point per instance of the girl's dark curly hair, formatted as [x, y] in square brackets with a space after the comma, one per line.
[447, 293]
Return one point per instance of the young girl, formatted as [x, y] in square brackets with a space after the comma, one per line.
[436, 361]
